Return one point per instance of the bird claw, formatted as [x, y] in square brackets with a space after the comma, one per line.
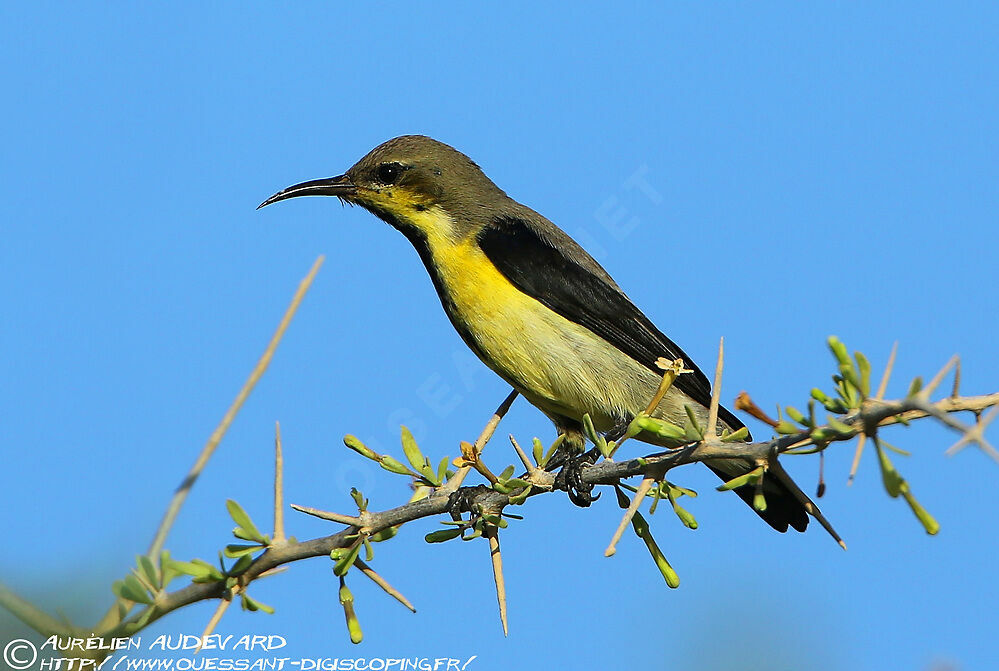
[463, 500]
[570, 478]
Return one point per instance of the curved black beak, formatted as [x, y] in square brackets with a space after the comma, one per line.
[340, 186]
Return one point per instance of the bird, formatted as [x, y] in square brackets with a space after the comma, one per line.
[537, 309]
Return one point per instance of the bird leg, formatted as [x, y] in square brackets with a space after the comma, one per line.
[572, 458]
[462, 500]
[570, 478]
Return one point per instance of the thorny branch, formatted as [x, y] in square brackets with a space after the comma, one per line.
[862, 415]
[877, 413]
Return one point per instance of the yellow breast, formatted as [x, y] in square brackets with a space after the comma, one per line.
[558, 365]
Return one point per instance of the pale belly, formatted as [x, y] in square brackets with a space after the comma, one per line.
[559, 366]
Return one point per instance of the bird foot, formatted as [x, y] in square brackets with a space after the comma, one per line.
[463, 500]
[570, 478]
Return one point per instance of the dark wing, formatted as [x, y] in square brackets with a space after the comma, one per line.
[546, 264]
[568, 281]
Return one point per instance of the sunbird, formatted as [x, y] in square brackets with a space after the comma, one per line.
[537, 309]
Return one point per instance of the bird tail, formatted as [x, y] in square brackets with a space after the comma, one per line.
[787, 505]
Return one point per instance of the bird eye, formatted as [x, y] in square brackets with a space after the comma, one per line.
[389, 173]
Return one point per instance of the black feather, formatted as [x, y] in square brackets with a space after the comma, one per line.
[582, 292]
[544, 272]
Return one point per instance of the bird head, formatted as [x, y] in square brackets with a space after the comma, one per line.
[406, 178]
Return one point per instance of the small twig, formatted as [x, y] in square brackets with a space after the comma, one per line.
[820, 488]
[671, 369]
[224, 604]
[882, 388]
[349, 520]
[32, 616]
[492, 533]
[381, 582]
[976, 434]
[111, 617]
[279, 536]
[938, 378]
[711, 432]
[929, 408]
[861, 440]
[213, 441]
[602, 473]
[745, 403]
[523, 455]
[454, 483]
[636, 502]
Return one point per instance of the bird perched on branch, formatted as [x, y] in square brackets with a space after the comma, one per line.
[536, 308]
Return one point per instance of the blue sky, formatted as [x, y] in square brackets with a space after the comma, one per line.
[814, 170]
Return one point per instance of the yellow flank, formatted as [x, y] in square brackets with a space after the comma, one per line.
[559, 366]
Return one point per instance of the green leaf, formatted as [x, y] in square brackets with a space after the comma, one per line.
[786, 428]
[916, 385]
[421, 491]
[538, 451]
[442, 470]
[820, 395]
[132, 589]
[518, 499]
[795, 415]
[696, 430]
[412, 451]
[889, 476]
[736, 436]
[551, 450]
[243, 521]
[391, 464]
[676, 490]
[353, 443]
[759, 501]
[507, 472]
[501, 487]
[927, 520]
[252, 605]
[590, 431]
[442, 535]
[661, 428]
[896, 450]
[495, 520]
[353, 624]
[838, 349]
[148, 570]
[384, 534]
[347, 560]
[839, 426]
[167, 571]
[750, 478]
[359, 500]
[641, 528]
[864, 366]
[684, 515]
[234, 551]
[821, 435]
[240, 566]
[198, 569]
